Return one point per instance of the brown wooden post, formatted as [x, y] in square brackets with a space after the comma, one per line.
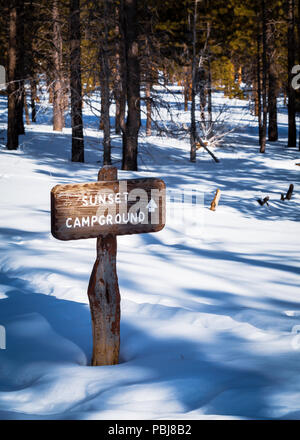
[104, 295]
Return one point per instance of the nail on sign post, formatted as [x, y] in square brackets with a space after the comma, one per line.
[103, 210]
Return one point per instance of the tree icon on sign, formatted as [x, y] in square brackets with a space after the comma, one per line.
[151, 206]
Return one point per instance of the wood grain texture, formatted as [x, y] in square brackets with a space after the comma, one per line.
[104, 199]
[104, 296]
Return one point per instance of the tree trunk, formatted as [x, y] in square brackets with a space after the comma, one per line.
[33, 96]
[120, 82]
[291, 62]
[75, 83]
[104, 82]
[50, 88]
[254, 91]
[272, 90]
[193, 134]
[209, 93]
[58, 114]
[298, 28]
[12, 132]
[31, 19]
[133, 121]
[105, 121]
[202, 93]
[148, 107]
[264, 79]
[148, 86]
[26, 109]
[202, 81]
[120, 90]
[20, 68]
[117, 114]
[260, 129]
[66, 94]
[101, 124]
[104, 295]
[186, 85]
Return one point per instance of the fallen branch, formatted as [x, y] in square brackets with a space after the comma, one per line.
[264, 201]
[289, 194]
[200, 144]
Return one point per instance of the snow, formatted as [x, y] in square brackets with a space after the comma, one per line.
[208, 309]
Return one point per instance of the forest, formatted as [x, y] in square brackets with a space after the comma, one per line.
[122, 49]
[149, 211]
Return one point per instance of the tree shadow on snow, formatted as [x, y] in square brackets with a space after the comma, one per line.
[170, 363]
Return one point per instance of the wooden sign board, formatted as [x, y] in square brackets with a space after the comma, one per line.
[118, 207]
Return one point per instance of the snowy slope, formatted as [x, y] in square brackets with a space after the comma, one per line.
[208, 313]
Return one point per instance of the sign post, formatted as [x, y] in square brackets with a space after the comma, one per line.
[104, 295]
[103, 210]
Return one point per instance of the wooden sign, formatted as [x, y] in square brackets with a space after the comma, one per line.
[103, 210]
[118, 207]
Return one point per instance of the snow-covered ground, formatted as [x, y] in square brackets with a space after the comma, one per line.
[209, 314]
